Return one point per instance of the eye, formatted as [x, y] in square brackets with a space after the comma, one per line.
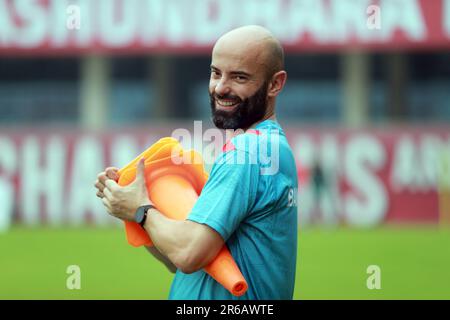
[240, 78]
[215, 72]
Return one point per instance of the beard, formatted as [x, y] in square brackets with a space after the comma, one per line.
[245, 114]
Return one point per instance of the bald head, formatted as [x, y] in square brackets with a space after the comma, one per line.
[254, 43]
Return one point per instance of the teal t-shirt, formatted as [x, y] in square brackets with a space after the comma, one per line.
[250, 200]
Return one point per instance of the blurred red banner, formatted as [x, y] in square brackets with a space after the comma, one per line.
[173, 26]
[390, 175]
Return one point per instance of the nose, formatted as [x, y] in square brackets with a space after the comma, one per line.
[222, 88]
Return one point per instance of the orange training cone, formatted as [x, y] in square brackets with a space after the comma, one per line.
[183, 182]
[162, 148]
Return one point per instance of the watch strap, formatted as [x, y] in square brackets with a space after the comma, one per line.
[143, 213]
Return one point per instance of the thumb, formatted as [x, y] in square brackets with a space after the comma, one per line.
[140, 172]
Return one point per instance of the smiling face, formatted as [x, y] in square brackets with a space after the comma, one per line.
[246, 76]
[234, 112]
[239, 82]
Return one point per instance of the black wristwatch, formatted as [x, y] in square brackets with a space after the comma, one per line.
[141, 214]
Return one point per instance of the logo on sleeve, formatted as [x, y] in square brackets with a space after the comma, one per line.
[292, 197]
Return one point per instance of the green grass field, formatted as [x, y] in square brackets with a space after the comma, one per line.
[332, 264]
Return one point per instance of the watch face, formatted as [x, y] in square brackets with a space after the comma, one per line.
[139, 214]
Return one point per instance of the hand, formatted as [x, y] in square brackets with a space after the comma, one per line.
[122, 202]
[109, 173]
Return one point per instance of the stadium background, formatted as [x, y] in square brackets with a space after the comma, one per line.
[367, 101]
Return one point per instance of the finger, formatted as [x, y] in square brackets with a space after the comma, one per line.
[112, 173]
[100, 194]
[99, 186]
[108, 195]
[111, 185]
[102, 177]
[140, 172]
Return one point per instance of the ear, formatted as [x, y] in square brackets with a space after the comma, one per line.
[276, 84]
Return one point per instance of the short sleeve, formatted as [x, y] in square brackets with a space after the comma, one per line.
[229, 193]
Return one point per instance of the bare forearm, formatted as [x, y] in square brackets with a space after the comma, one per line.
[168, 236]
[190, 246]
[155, 253]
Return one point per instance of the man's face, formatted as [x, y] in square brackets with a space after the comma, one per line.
[242, 114]
[238, 91]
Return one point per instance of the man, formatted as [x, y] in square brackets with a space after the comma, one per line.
[248, 209]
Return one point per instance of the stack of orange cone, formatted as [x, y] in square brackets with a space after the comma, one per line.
[174, 179]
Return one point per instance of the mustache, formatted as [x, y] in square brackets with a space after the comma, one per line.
[227, 97]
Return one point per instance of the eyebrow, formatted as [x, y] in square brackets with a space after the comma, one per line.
[234, 73]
